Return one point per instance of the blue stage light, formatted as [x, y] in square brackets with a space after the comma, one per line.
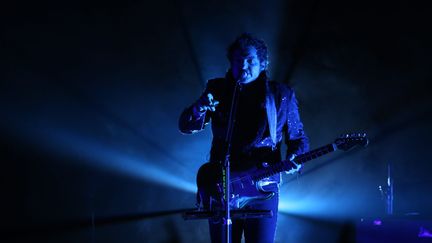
[118, 159]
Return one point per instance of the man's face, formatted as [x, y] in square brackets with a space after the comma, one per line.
[245, 65]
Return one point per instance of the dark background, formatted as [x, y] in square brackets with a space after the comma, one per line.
[91, 92]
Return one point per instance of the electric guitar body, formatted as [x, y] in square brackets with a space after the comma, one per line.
[253, 185]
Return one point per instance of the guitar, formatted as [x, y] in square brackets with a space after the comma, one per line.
[251, 185]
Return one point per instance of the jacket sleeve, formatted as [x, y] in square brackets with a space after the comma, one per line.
[296, 138]
[191, 121]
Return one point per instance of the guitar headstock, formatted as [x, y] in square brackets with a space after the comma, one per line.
[348, 141]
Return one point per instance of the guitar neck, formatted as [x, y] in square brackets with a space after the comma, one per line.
[286, 165]
[313, 154]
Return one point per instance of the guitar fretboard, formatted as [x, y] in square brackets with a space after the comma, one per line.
[286, 165]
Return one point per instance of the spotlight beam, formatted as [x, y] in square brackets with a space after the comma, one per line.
[297, 50]
[189, 42]
[378, 138]
[101, 109]
[316, 220]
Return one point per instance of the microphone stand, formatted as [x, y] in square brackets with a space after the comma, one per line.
[226, 165]
[389, 198]
[225, 216]
[387, 192]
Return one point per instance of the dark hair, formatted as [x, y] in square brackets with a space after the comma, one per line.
[246, 40]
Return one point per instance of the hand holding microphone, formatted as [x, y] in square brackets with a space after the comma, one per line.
[205, 103]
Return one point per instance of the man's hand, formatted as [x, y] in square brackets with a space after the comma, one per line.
[206, 103]
[296, 167]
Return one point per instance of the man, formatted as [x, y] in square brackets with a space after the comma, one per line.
[264, 113]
